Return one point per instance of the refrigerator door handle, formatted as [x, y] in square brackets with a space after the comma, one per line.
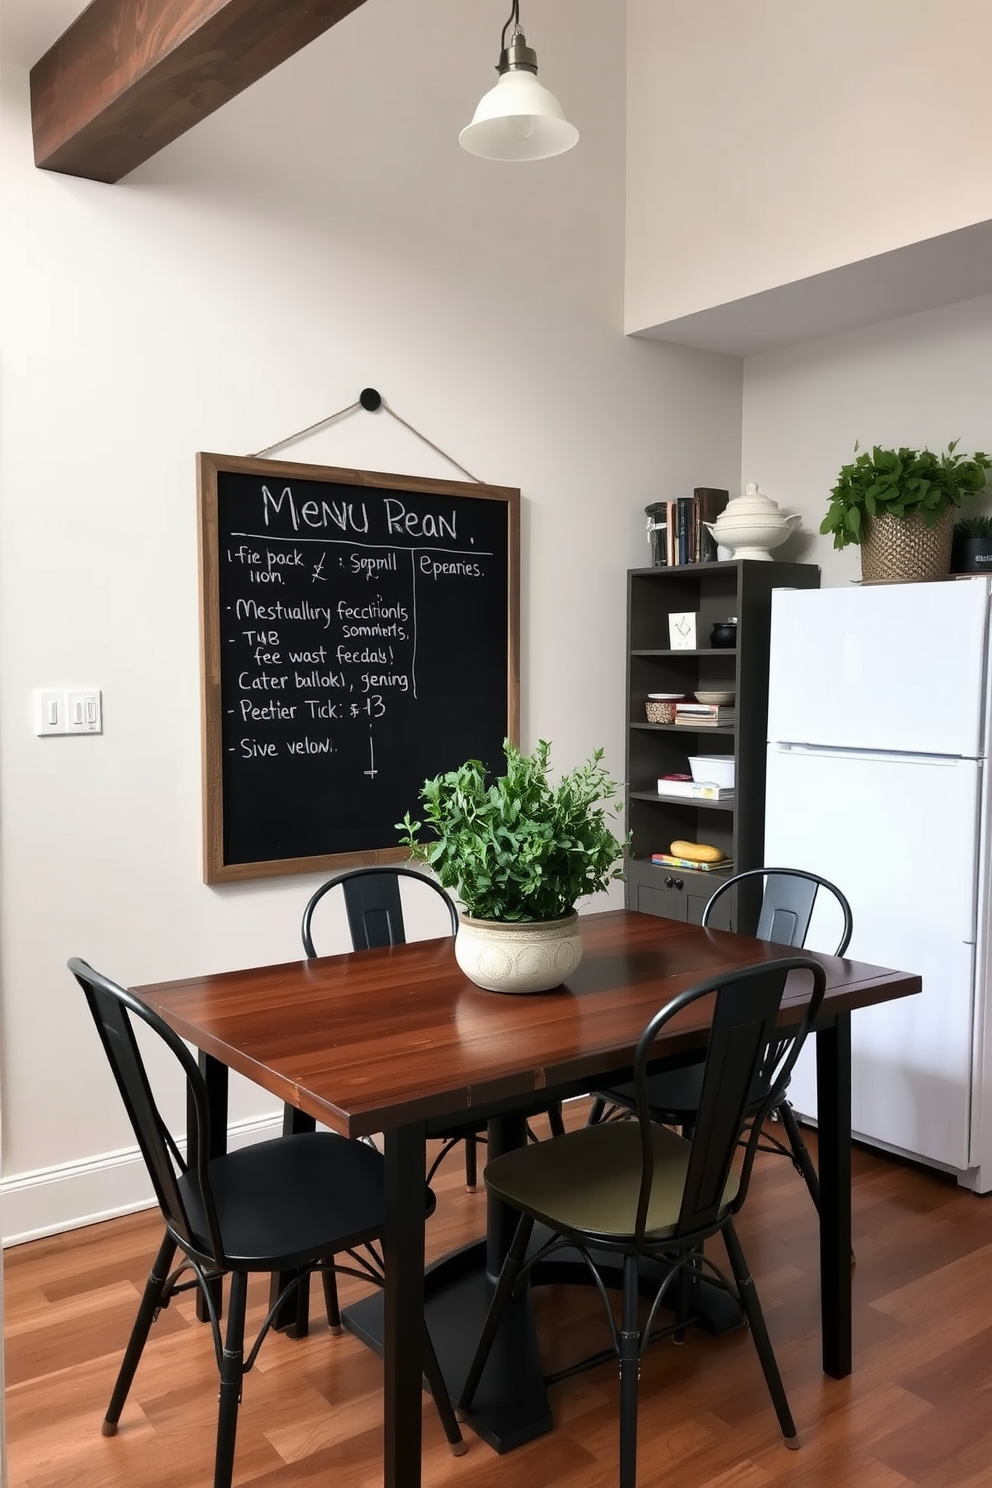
[792, 746]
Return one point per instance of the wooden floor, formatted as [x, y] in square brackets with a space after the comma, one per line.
[917, 1410]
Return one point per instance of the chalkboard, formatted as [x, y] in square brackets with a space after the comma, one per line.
[360, 633]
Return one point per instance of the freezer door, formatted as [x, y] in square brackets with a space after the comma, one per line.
[898, 666]
[899, 835]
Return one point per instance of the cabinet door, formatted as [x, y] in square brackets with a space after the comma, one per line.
[670, 904]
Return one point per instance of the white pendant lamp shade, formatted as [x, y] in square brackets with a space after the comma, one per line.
[519, 119]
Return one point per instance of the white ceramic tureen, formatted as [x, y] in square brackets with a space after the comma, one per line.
[751, 525]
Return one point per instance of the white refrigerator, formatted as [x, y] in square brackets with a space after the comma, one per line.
[878, 728]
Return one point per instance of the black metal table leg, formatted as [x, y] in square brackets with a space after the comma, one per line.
[293, 1316]
[833, 1082]
[403, 1305]
[216, 1076]
[511, 1405]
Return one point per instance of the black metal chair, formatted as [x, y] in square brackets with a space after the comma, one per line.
[375, 918]
[786, 910]
[643, 1191]
[291, 1204]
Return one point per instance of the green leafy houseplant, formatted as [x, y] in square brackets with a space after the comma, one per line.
[901, 482]
[980, 527]
[519, 848]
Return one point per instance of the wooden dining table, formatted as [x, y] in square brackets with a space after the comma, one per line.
[396, 1040]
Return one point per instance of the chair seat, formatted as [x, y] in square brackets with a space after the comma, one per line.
[589, 1181]
[675, 1093]
[284, 1202]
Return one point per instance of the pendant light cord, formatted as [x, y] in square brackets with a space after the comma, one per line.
[331, 417]
[514, 19]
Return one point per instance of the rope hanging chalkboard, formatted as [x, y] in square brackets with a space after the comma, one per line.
[371, 400]
[360, 634]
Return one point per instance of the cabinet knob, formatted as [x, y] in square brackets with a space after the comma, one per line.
[669, 883]
[679, 884]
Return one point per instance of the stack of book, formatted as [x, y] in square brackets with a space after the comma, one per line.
[665, 860]
[677, 532]
[705, 715]
[694, 790]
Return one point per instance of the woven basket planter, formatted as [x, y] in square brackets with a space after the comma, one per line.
[905, 548]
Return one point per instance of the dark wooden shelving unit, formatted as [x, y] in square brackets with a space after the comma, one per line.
[714, 591]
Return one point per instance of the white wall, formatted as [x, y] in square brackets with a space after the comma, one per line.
[770, 140]
[920, 381]
[322, 233]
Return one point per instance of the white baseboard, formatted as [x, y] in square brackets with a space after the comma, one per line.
[50, 1200]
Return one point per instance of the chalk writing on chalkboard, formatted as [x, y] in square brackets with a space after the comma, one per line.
[360, 633]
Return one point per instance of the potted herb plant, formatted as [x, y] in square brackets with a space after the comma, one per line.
[899, 504]
[971, 548]
[519, 852]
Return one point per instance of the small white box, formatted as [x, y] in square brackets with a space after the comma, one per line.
[716, 767]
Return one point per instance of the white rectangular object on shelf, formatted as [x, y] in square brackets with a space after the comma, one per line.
[719, 768]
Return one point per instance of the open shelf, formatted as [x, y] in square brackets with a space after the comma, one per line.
[713, 591]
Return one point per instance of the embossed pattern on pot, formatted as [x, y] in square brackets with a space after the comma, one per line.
[518, 955]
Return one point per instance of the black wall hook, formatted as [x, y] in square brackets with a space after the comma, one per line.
[370, 399]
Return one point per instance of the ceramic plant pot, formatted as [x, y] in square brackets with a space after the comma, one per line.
[518, 955]
[971, 554]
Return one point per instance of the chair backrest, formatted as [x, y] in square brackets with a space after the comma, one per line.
[114, 1010]
[746, 1050]
[372, 899]
[787, 904]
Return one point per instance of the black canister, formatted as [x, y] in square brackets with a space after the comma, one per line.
[724, 633]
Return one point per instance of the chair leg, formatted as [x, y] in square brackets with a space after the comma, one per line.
[682, 1293]
[504, 1290]
[231, 1376]
[442, 1400]
[471, 1162]
[800, 1152]
[151, 1298]
[756, 1322]
[330, 1285]
[445, 1149]
[800, 1155]
[630, 1368]
[556, 1120]
[596, 1112]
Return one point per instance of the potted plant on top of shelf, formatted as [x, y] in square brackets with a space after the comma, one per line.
[899, 504]
[971, 548]
[519, 852]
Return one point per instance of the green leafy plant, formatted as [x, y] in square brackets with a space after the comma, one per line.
[519, 848]
[973, 527]
[901, 482]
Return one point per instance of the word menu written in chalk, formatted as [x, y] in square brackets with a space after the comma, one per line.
[360, 634]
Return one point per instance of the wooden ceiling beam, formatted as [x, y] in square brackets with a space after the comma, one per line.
[130, 76]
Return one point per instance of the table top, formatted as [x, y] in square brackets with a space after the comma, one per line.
[369, 1041]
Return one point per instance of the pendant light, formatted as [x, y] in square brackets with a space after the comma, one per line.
[518, 119]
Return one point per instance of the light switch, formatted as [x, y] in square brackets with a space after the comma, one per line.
[49, 711]
[85, 712]
[68, 711]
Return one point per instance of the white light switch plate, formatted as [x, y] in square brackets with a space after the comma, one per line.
[75, 710]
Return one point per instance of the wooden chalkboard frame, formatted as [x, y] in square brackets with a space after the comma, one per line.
[209, 468]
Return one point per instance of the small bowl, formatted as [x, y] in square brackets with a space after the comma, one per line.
[660, 706]
[714, 697]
